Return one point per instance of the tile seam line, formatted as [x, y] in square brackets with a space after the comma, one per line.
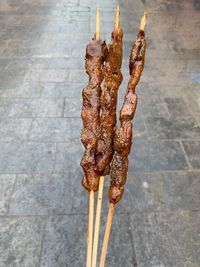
[131, 173]
[12, 216]
[35, 98]
[185, 155]
[41, 118]
[11, 194]
[42, 241]
[55, 159]
[28, 133]
[33, 141]
[63, 110]
[130, 230]
[164, 212]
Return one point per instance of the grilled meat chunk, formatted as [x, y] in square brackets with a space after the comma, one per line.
[96, 52]
[123, 135]
[113, 78]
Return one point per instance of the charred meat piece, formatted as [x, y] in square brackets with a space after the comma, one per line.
[119, 165]
[136, 65]
[123, 135]
[113, 78]
[96, 52]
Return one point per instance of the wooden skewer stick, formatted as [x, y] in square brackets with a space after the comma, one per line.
[97, 24]
[143, 21]
[107, 234]
[97, 221]
[101, 182]
[117, 18]
[112, 205]
[91, 194]
[90, 228]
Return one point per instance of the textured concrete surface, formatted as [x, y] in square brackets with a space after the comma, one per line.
[43, 208]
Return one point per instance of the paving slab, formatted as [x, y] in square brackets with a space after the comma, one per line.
[173, 128]
[166, 239]
[45, 194]
[27, 157]
[192, 149]
[177, 107]
[20, 241]
[5, 106]
[64, 163]
[65, 240]
[31, 108]
[14, 129]
[69, 90]
[6, 188]
[55, 130]
[163, 191]
[73, 107]
[157, 155]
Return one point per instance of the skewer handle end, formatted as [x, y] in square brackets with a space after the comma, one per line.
[107, 234]
[90, 228]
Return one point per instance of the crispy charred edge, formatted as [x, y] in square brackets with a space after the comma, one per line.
[96, 53]
[123, 135]
[113, 78]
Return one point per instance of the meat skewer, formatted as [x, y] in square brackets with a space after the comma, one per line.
[97, 221]
[123, 135]
[95, 56]
[113, 79]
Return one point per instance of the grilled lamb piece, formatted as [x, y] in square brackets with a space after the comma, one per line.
[96, 52]
[113, 78]
[123, 135]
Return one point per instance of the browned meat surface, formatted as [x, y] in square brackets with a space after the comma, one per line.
[113, 79]
[123, 135]
[119, 165]
[95, 55]
[136, 65]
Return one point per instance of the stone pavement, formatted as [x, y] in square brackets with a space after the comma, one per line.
[42, 204]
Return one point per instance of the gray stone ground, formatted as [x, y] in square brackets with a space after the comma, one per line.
[43, 208]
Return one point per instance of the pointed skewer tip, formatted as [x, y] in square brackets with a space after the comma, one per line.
[97, 24]
[117, 18]
[143, 21]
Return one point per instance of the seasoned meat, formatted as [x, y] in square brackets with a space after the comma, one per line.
[96, 52]
[123, 134]
[119, 165]
[113, 78]
[136, 65]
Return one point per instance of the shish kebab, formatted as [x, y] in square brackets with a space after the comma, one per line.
[123, 134]
[113, 78]
[105, 149]
[96, 52]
